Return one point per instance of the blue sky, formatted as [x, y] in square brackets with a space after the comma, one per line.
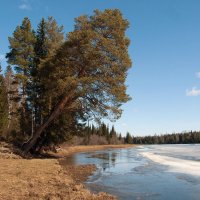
[165, 49]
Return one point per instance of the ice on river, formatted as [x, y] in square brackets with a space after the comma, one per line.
[179, 158]
[176, 164]
[148, 172]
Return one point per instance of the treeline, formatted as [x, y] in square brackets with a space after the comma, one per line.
[54, 84]
[98, 135]
[22, 91]
[175, 138]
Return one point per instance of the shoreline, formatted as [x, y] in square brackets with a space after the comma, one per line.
[23, 179]
[80, 173]
[66, 150]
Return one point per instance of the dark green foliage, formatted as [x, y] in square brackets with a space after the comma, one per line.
[128, 138]
[99, 135]
[35, 86]
[113, 132]
[49, 37]
[176, 138]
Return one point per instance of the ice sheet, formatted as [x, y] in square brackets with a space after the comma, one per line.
[175, 164]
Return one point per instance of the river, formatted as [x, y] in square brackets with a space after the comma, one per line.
[153, 172]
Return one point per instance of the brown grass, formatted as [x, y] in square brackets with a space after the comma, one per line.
[38, 179]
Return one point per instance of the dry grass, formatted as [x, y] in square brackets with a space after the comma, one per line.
[38, 179]
[22, 179]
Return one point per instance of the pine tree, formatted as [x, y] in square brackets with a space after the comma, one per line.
[89, 70]
[21, 55]
[55, 36]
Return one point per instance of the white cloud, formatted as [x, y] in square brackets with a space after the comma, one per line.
[193, 92]
[25, 5]
[198, 74]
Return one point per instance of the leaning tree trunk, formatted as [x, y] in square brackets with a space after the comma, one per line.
[66, 101]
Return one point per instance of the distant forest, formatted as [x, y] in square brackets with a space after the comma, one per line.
[97, 135]
[103, 135]
[175, 138]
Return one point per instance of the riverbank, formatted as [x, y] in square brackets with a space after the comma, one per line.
[22, 179]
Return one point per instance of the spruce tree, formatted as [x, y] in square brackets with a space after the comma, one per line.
[107, 134]
[112, 132]
[35, 87]
[104, 129]
[128, 138]
[49, 36]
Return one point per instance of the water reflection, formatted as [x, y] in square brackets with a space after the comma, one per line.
[104, 160]
[109, 158]
[129, 175]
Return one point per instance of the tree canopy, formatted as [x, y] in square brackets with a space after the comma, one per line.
[63, 82]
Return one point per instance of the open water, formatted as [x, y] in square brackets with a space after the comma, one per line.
[152, 172]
